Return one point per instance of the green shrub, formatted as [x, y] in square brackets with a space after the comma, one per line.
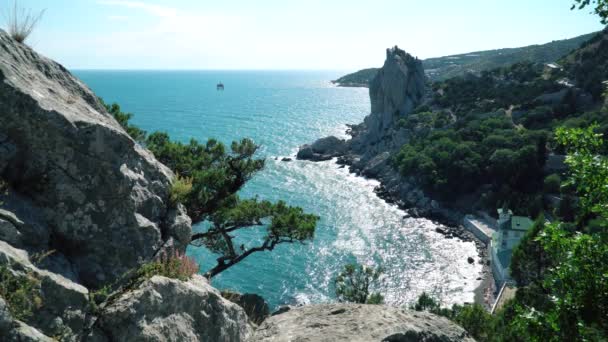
[354, 284]
[21, 293]
[552, 184]
[180, 189]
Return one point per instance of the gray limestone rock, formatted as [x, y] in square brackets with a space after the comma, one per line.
[164, 309]
[99, 190]
[63, 302]
[357, 323]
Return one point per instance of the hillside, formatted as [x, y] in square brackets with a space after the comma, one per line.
[442, 68]
[527, 136]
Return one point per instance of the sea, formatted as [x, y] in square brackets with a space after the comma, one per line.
[281, 110]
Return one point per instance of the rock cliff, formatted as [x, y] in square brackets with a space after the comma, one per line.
[80, 184]
[357, 323]
[86, 203]
[397, 89]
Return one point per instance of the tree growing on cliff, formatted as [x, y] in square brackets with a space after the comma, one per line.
[354, 284]
[208, 179]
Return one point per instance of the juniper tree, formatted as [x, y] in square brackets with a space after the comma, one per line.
[208, 179]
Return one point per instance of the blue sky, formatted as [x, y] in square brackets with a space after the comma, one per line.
[288, 34]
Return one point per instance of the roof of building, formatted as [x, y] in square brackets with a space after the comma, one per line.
[521, 223]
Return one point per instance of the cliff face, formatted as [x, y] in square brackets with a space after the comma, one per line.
[397, 89]
[81, 185]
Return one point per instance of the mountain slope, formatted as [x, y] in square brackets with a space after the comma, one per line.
[442, 68]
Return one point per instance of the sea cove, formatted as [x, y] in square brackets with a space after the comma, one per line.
[282, 110]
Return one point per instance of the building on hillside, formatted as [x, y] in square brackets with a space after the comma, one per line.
[511, 229]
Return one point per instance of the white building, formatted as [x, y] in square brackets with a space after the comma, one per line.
[511, 229]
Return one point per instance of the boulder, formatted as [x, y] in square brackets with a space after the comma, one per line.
[63, 303]
[99, 190]
[323, 149]
[357, 322]
[164, 309]
[254, 305]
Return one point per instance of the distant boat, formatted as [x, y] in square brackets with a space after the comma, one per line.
[220, 86]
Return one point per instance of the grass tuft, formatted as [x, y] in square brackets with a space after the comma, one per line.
[21, 22]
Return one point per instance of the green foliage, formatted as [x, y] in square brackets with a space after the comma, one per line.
[135, 132]
[588, 169]
[216, 174]
[568, 300]
[473, 318]
[21, 293]
[600, 8]
[588, 66]
[208, 179]
[359, 78]
[280, 223]
[426, 303]
[354, 284]
[180, 189]
[552, 184]
[529, 261]
[479, 149]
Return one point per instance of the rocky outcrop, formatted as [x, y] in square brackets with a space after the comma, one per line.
[254, 305]
[84, 186]
[398, 88]
[164, 309]
[323, 149]
[63, 303]
[357, 322]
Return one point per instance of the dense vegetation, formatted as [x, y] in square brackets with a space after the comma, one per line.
[443, 68]
[21, 292]
[361, 78]
[560, 267]
[208, 178]
[488, 136]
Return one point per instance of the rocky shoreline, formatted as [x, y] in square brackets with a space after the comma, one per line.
[398, 88]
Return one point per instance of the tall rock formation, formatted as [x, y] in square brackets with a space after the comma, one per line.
[80, 184]
[397, 89]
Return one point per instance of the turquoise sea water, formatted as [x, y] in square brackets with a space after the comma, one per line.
[281, 110]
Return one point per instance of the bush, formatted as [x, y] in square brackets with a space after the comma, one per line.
[552, 184]
[180, 189]
[354, 282]
[21, 293]
[135, 132]
[175, 265]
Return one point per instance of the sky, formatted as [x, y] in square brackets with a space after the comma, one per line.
[288, 34]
